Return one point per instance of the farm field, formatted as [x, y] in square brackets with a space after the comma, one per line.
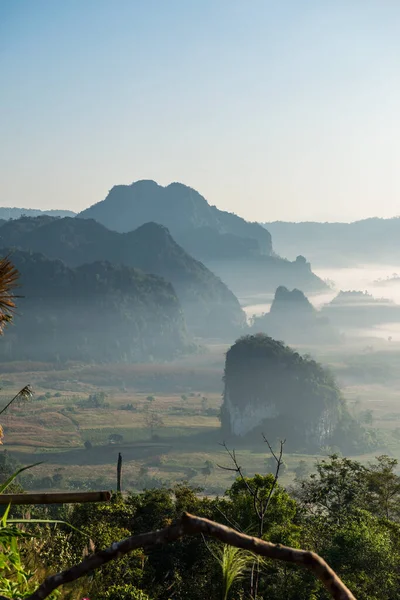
[162, 418]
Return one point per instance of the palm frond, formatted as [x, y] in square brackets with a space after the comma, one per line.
[234, 563]
[9, 276]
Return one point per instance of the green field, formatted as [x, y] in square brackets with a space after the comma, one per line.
[54, 426]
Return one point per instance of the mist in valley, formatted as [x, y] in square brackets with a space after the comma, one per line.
[200, 300]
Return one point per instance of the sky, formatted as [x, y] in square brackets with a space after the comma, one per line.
[284, 110]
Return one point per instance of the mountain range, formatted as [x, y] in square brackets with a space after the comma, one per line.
[15, 213]
[239, 252]
[203, 230]
[210, 308]
[339, 244]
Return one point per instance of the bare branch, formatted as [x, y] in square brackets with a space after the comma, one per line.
[192, 525]
[278, 466]
[237, 469]
[271, 450]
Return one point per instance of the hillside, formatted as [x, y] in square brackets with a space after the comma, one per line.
[294, 319]
[94, 312]
[203, 230]
[353, 308]
[270, 388]
[210, 308]
[339, 244]
[263, 274]
[237, 251]
[7, 213]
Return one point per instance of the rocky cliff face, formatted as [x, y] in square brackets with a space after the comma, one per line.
[272, 389]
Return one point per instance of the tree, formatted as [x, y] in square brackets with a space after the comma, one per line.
[207, 469]
[88, 445]
[115, 438]
[259, 492]
[204, 404]
[302, 470]
[153, 422]
[335, 491]
[97, 400]
[383, 488]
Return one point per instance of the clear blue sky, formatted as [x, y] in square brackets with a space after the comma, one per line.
[284, 109]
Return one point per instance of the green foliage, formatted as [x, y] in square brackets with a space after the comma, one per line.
[335, 491]
[383, 488]
[338, 512]
[96, 400]
[124, 592]
[234, 563]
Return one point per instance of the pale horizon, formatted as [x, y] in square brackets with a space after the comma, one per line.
[235, 212]
[274, 112]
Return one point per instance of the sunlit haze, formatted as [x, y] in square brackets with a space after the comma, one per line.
[273, 110]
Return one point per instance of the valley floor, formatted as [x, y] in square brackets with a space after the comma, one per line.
[183, 442]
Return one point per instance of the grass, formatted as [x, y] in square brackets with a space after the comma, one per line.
[54, 426]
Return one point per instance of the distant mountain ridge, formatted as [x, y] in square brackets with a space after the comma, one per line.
[238, 251]
[371, 240]
[294, 319]
[96, 312]
[203, 230]
[210, 308]
[7, 213]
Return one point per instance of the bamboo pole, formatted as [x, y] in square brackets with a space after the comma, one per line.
[55, 498]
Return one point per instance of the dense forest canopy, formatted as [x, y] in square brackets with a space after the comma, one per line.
[345, 511]
[94, 312]
[210, 307]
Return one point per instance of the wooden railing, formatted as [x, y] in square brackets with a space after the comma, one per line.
[55, 498]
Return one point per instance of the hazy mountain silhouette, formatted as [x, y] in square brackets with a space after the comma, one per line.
[210, 307]
[94, 312]
[203, 230]
[15, 213]
[339, 244]
[353, 308]
[238, 251]
[294, 319]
